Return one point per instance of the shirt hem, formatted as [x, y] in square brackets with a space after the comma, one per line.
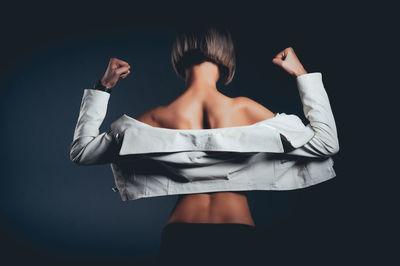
[239, 187]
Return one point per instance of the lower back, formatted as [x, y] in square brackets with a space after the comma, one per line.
[217, 207]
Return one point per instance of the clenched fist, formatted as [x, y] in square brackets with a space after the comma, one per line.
[116, 69]
[288, 60]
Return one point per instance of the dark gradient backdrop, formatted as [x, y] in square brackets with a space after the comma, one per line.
[53, 211]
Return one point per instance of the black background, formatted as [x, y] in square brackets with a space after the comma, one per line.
[53, 211]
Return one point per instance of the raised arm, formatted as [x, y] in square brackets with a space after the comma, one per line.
[316, 108]
[88, 147]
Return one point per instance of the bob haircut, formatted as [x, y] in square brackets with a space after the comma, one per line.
[194, 45]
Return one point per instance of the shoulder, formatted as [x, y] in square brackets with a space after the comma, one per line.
[151, 116]
[254, 110]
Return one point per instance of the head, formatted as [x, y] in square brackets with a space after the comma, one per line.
[195, 45]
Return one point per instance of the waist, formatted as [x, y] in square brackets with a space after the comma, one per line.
[217, 207]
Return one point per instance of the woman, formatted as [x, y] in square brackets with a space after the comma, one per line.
[207, 226]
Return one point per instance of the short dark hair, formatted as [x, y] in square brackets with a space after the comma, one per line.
[196, 44]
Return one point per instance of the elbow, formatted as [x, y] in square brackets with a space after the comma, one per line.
[80, 157]
[78, 160]
[335, 150]
[333, 147]
[330, 142]
[75, 155]
[326, 148]
[74, 158]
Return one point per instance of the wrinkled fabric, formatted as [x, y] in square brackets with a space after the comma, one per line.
[279, 153]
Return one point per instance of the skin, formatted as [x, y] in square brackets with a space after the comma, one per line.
[202, 106]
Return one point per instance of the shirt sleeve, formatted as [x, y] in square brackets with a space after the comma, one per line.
[317, 110]
[88, 147]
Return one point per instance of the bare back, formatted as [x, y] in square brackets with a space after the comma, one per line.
[191, 111]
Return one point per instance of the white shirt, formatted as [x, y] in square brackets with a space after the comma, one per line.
[279, 153]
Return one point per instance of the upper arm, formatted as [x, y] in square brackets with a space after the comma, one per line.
[255, 111]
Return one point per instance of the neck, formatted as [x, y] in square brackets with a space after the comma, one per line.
[202, 78]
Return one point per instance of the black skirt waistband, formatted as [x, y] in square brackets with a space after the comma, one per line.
[203, 229]
[225, 225]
